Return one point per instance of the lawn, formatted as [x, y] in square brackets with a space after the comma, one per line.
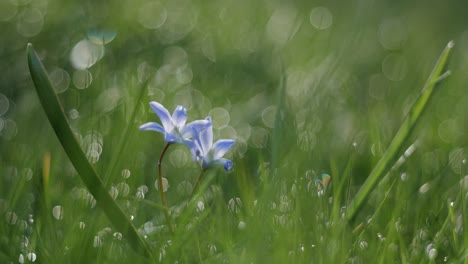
[342, 129]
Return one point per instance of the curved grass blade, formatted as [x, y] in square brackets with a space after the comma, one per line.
[402, 134]
[56, 116]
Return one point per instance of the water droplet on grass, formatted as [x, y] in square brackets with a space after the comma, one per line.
[31, 257]
[117, 235]
[282, 25]
[60, 80]
[114, 192]
[363, 245]
[8, 10]
[178, 158]
[85, 54]
[82, 79]
[4, 104]
[57, 212]
[392, 33]
[11, 218]
[425, 188]
[30, 22]
[242, 225]
[126, 173]
[101, 37]
[97, 242]
[152, 15]
[235, 205]
[321, 17]
[123, 188]
[220, 117]
[200, 206]
[165, 184]
[431, 251]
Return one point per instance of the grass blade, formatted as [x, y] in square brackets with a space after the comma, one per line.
[401, 136]
[56, 116]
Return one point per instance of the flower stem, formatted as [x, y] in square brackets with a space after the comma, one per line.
[161, 190]
[197, 183]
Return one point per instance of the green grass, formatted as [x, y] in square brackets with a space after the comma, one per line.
[77, 177]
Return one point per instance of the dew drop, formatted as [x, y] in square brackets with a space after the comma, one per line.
[212, 248]
[126, 173]
[11, 218]
[8, 10]
[363, 245]
[82, 79]
[85, 54]
[114, 192]
[152, 15]
[235, 205]
[321, 17]
[165, 184]
[57, 212]
[117, 235]
[241, 225]
[97, 242]
[123, 188]
[31, 257]
[4, 104]
[101, 37]
[178, 158]
[200, 206]
[220, 117]
[60, 80]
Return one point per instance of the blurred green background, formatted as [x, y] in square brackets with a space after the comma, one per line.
[351, 70]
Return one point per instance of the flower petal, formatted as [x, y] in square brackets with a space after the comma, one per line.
[221, 147]
[163, 115]
[193, 149]
[171, 138]
[194, 127]
[152, 126]
[179, 117]
[227, 164]
[206, 137]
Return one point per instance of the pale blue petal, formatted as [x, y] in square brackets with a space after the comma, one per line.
[152, 126]
[194, 127]
[163, 115]
[193, 149]
[197, 142]
[227, 164]
[179, 117]
[221, 147]
[206, 138]
[170, 138]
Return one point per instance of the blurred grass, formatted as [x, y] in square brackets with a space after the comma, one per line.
[346, 89]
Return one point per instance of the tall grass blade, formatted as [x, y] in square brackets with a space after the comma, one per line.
[56, 116]
[402, 135]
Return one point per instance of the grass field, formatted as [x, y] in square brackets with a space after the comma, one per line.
[349, 119]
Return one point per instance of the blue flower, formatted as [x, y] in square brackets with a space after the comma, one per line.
[203, 149]
[173, 127]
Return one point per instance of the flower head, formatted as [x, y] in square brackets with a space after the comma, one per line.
[173, 127]
[203, 149]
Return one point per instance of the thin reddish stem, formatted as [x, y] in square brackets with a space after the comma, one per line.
[161, 190]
